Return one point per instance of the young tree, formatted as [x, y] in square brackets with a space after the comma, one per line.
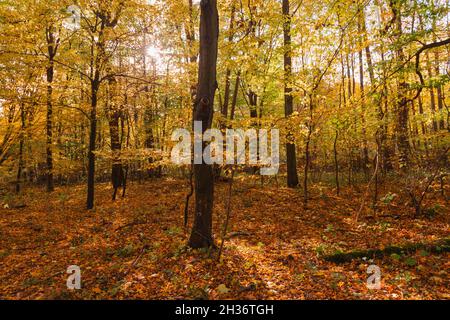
[52, 48]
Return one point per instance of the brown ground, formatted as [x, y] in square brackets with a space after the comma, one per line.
[134, 248]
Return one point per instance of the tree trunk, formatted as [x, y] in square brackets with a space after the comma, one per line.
[52, 46]
[432, 97]
[402, 101]
[201, 235]
[363, 99]
[50, 186]
[308, 152]
[235, 95]
[226, 100]
[114, 116]
[336, 163]
[291, 158]
[92, 137]
[21, 147]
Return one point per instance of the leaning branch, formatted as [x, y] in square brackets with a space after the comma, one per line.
[417, 66]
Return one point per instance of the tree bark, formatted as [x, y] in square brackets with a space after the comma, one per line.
[235, 95]
[92, 139]
[291, 157]
[363, 97]
[114, 117]
[21, 147]
[52, 46]
[402, 111]
[201, 235]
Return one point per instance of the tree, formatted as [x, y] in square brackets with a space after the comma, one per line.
[104, 21]
[52, 48]
[201, 235]
[292, 177]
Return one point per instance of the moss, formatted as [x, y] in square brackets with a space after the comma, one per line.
[439, 246]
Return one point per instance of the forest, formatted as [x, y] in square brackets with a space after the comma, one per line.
[224, 149]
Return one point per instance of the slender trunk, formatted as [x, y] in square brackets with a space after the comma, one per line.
[432, 96]
[50, 185]
[21, 147]
[363, 102]
[439, 92]
[52, 47]
[235, 95]
[308, 153]
[226, 100]
[92, 147]
[336, 163]
[114, 117]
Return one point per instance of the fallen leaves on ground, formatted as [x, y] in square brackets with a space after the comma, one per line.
[135, 247]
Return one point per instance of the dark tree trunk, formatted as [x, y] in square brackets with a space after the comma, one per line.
[21, 146]
[201, 236]
[432, 96]
[92, 138]
[50, 186]
[98, 63]
[439, 92]
[402, 127]
[226, 99]
[52, 47]
[114, 117]
[253, 101]
[363, 99]
[235, 95]
[402, 111]
[291, 157]
[336, 163]
[308, 153]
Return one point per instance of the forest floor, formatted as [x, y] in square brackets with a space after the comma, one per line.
[135, 248]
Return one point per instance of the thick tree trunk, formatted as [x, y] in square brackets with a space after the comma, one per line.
[201, 236]
[291, 157]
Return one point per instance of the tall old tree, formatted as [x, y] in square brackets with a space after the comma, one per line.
[201, 236]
